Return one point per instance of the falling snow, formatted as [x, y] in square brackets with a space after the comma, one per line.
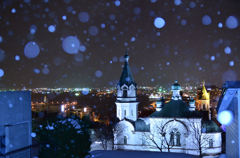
[90, 39]
[206, 20]
[1, 73]
[83, 17]
[227, 50]
[159, 22]
[31, 50]
[71, 45]
[51, 28]
[232, 22]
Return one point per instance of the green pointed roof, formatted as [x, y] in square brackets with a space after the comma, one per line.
[176, 109]
[126, 77]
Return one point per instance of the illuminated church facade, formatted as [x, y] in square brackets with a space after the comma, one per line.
[174, 126]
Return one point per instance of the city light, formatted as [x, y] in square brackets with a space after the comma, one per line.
[62, 108]
[85, 109]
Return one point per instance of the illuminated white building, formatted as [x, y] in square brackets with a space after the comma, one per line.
[172, 127]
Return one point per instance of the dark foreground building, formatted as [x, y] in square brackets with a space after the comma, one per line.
[15, 124]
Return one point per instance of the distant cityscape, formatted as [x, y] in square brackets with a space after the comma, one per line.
[85, 101]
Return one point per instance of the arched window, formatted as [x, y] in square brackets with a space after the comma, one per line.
[178, 140]
[172, 138]
[125, 113]
[125, 140]
[143, 141]
[204, 107]
[211, 143]
[124, 92]
[175, 138]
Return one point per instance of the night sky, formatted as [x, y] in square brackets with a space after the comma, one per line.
[81, 43]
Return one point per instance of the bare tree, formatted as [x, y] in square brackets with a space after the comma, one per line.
[118, 134]
[154, 141]
[159, 138]
[104, 133]
[200, 139]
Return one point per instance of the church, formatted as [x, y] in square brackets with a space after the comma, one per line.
[175, 126]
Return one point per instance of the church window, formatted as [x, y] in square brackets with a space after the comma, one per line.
[211, 143]
[125, 139]
[178, 139]
[172, 139]
[132, 112]
[204, 107]
[143, 141]
[125, 113]
[175, 138]
[124, 93]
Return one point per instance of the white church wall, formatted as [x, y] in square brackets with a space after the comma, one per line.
[183, 126]
[127, 138]
[217, 143]
[119, 93]
[127, 110]
[140, 140]
[123, 129]
[194, 125]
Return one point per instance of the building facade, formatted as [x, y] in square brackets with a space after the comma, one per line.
[15, 122]
[174, 126]
[228, 114]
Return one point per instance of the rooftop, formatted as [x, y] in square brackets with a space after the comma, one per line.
[176, 109]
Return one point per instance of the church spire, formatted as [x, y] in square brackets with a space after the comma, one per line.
[127, 105]
[126, 77]
[205, 95]
[126, 57]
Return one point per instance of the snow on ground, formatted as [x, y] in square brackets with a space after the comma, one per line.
[137, 154]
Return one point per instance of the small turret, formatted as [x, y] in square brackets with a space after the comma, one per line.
[160, 104]
[176, 88]
[192, 104]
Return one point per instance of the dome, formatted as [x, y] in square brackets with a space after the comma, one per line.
[176, 86]
[210, 126]
[141, 125]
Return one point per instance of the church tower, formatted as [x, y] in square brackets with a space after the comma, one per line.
[127, 105]
[204, 99]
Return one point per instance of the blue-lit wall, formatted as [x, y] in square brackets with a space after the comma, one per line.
[232, 131]
[15, 120]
